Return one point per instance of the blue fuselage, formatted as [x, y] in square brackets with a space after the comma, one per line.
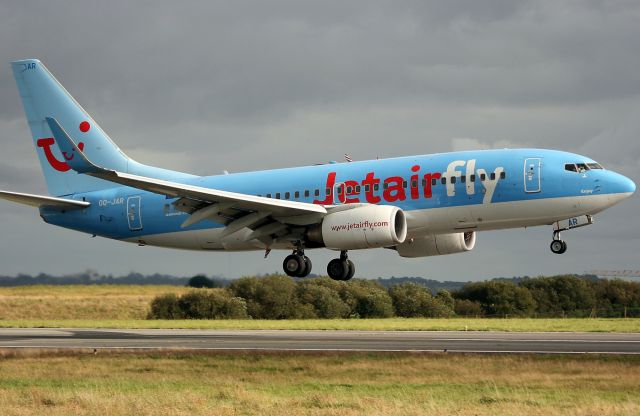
[476, 183]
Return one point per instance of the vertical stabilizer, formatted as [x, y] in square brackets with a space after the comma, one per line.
[43, 96]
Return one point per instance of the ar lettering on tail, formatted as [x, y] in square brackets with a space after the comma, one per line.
[30, 65]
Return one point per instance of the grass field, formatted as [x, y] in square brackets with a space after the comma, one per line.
[104, 302]
[318, 384]
[127, 307]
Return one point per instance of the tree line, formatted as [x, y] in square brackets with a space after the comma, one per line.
[280, 297]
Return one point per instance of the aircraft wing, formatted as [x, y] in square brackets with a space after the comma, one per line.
[39, 200]
[235, 210]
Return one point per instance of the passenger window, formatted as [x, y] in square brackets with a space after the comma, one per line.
[328, 191]
[358, 189]
[503, 175]
[483, 176]
[268, 195]
[376, 187]
[472, 178]
[340, 190]
[366, 188]
[385, 186]
[404, 184]
[493, 176]
[434, 182]
[443, 181]
[306, 193]
[316, 192]
[414, 184]
[277, 195]
[463, 179]
[570, 167]
[287, 195]
[453, 179]
[297, 194]
[424, 183]
[349, 190]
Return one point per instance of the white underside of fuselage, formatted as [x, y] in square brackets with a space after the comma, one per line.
[481, 217]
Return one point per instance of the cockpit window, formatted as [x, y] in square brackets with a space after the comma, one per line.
[570, 167]
[582, 167]
[594, 166]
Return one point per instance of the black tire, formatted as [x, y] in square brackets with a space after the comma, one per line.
[307, 268]
[564, 247]
[352, 270]
[293, 265]
[558, 246]
[337, 269]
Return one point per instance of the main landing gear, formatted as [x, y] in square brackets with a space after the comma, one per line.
[299, 265]
[558, 246]
[341, 268]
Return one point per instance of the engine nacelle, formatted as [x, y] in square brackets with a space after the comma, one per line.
[438, 244]
[370, 226]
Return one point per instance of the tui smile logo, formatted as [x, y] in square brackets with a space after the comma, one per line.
[47, 142]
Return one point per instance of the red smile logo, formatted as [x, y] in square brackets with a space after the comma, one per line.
[47, 142]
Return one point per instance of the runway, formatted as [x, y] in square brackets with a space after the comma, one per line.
[405, 341]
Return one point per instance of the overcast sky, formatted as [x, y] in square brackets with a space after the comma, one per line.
[210, 86]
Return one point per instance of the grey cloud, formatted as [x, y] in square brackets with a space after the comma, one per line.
[206, 86]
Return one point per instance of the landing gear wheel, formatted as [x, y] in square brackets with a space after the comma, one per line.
[352, 270]
[558, 246]
[307, 267]
[338, 269]
[294, 265]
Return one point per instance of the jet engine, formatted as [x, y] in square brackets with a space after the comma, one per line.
[437, 244]
[370, 226]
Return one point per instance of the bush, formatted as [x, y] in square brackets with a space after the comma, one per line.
[209, 304]
[367, 299]
[465, 307]
[201, 281]
[321, 300]
[411, 300]
[499, 298]
[272, 297]
[165, 307]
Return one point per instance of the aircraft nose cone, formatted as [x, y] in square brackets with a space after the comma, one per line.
[624, 185]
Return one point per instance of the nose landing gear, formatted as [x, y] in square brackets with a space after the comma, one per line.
[558, 246]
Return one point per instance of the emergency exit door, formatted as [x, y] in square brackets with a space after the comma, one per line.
[133, 213]
[532, 167]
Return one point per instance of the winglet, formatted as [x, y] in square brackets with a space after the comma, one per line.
[81, 163]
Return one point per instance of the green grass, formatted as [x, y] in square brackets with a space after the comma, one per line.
[35, 383]
[395, 324]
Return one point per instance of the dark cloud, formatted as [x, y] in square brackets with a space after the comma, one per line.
[207, 86]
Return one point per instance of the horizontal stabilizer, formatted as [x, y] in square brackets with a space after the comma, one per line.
[40, 201]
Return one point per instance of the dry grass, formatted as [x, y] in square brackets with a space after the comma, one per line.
[79, 302]
[317, 384]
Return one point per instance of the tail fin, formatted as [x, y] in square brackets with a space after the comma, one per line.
[43, 96]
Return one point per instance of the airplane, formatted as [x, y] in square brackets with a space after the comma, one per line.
[419, 206]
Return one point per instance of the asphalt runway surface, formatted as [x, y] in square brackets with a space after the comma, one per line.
[283, 340]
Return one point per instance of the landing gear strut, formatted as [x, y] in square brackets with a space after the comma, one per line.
[558, 246]
[297, 264]
[341, 268]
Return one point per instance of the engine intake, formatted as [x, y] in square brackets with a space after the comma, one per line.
[438, 244]
[370, 226]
